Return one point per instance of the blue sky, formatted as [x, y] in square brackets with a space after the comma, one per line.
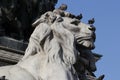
[107, 22]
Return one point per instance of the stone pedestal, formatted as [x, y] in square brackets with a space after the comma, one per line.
[11, 50]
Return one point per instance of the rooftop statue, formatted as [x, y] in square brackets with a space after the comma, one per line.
[59, 49]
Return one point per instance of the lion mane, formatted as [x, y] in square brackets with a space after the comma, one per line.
[53, 40]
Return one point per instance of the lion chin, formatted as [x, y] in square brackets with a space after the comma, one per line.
[89, 44]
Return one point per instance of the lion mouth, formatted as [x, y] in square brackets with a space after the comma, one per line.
[87, 41]
[86, 38]
[90, 37]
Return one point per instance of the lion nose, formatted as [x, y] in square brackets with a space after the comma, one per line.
[92, 28]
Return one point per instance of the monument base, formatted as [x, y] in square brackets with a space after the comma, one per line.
[11, 50]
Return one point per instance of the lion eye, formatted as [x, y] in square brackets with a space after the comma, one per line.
[76, 22]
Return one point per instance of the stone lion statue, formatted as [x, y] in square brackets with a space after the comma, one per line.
[52, 49]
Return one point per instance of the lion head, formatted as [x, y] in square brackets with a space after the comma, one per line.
[58, 36]
[83, 33]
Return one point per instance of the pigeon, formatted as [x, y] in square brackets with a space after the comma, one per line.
[63, 7]
[79, 17]
[91, 21]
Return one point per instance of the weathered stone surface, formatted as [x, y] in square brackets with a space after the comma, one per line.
[13, 43]
[9, 56]
[11, 50]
